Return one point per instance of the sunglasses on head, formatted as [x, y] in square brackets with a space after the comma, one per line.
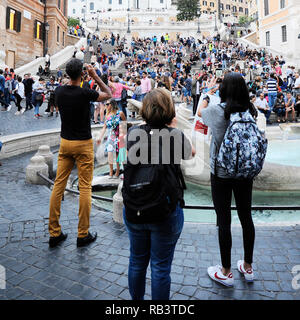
[107, 104]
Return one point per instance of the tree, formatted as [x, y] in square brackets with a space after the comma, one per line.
[245, 21]
[187, 9]
[72, 22]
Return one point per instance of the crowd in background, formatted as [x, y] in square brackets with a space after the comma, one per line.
[184, 67]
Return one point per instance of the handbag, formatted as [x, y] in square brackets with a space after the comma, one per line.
[39, 97]
[201, 127]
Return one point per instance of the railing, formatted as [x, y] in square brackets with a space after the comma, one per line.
[254, 208]
[51, 182]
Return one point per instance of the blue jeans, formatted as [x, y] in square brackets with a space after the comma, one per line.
[36, 103]
[272, 98]
[267, 113]
[155, 243]
[280, 112]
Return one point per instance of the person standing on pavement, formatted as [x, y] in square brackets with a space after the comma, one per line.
[38, 96]
[76, 146]
[19, 94]
[28, 83]
[51, 86]
[234, 99]
[6, 105]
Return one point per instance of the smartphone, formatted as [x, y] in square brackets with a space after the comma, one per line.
[219, 73]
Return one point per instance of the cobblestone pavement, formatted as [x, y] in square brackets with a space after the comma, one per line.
[11, 124]
[34, 271]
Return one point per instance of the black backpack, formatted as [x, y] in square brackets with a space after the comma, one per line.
[124, 95]
[151, 192]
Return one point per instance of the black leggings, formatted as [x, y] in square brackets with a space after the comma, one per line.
[222, 193]
[18, 103]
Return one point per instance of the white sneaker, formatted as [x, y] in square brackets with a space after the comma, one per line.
[216, 274]
[8, 108]
[248, 274]
[17, 113]
[22, 110]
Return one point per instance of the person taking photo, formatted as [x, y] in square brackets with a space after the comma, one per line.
[76, 146]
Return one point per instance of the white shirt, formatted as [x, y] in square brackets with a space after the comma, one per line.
[20, 90]
[38, 87]
[261, 104]
[197, 87]
[297, 83]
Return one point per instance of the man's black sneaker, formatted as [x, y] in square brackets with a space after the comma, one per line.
[91, 237]
[54, 241]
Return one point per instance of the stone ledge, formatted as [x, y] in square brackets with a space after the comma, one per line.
[16, 144]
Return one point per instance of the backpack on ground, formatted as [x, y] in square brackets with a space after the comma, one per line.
[244, 147]
[151, 192]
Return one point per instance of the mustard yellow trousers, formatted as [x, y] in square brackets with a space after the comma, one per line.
[81, 152]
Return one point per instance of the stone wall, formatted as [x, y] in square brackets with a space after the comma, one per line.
[22, 47]
[22, 44]
[71, 40]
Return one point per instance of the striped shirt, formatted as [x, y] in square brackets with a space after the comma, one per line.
[272, 85]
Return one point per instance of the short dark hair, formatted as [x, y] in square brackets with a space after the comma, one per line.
[74, 69]
[1, 71]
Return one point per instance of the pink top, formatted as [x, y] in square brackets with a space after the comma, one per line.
[278, 70]
[146, 85]
[118, 90]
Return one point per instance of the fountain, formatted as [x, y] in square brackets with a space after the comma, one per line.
[273, 177]
[277, 184]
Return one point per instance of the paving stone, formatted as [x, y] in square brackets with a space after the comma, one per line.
[89, 294]
[280, 259]
[110, 276]
[188, 290]
[205, 282]
[177, 278]
[32, 286]
[105, 296]
[271, 276]
[14, 293]
[114, 290]
[286, 286]
[178, 296]
[50, 293]
[125, 295]
[27, 296]
[202, 295]
[190, 280]
[30, 272]
[123, 282]
[284, 296]
[77, 289]
[65, 296]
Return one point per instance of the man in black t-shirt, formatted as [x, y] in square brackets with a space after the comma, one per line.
[28, 82]
[76, 146]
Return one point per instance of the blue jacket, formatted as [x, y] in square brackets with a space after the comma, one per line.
[2, 83]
